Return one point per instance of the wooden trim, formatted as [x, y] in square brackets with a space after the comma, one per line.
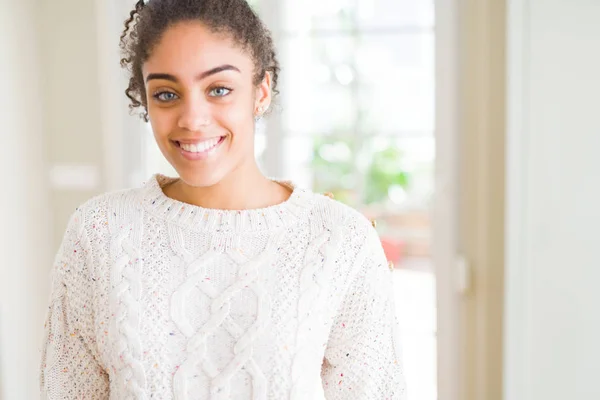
[482, 193]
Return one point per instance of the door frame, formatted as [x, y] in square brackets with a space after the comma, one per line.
[470, 197]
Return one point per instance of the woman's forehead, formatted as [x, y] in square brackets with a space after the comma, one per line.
[191, 48]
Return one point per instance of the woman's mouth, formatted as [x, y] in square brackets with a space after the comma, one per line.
[201, 149]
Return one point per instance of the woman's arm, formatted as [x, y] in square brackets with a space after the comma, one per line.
[362, 358]
[69, 364]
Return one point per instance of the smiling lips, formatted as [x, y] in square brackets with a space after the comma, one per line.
[199, 150]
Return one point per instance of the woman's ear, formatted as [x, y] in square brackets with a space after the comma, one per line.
[263, 95]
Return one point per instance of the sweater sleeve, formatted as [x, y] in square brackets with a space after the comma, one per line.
[363, 356]
[69, 364]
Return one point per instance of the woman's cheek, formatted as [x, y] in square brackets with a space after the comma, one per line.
[237, 111]
[162, 122]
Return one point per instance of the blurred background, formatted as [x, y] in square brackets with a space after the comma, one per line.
[467, 129]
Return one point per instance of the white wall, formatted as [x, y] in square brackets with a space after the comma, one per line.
[24, 210]
[73, 103]
[553, 227]
[61, 105]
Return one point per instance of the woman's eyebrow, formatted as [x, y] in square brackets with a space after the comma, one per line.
[203, 75]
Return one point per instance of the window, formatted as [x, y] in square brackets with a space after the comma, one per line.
[357, 120]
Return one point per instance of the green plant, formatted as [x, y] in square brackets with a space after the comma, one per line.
[332, 167]
[385, 172]
[335, 169]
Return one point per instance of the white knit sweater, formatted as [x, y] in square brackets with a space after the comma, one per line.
[153, 298]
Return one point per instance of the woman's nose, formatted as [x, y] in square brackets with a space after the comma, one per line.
[195, 115]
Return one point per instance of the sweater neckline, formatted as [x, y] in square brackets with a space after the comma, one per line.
[225, 221]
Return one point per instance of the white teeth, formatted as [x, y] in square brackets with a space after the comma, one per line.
[201, 146]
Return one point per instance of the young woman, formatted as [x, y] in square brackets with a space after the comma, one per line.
[220, 283]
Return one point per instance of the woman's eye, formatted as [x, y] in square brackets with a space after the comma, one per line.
[220, 92]
[165, 97]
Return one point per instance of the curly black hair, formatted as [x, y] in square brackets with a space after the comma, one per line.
[149, 19]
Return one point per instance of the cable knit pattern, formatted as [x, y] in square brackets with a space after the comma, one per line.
[125, 295]
[153, 298]
[313, 283]
[220, 316]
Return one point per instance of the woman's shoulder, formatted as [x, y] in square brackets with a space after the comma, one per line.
[335, 214]
[358, 242]
[99, 209]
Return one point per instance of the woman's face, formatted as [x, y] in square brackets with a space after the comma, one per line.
[202, 102]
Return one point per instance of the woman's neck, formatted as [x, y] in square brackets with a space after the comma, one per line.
[242, 189]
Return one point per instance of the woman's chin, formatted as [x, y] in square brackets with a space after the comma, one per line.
[198, 179]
